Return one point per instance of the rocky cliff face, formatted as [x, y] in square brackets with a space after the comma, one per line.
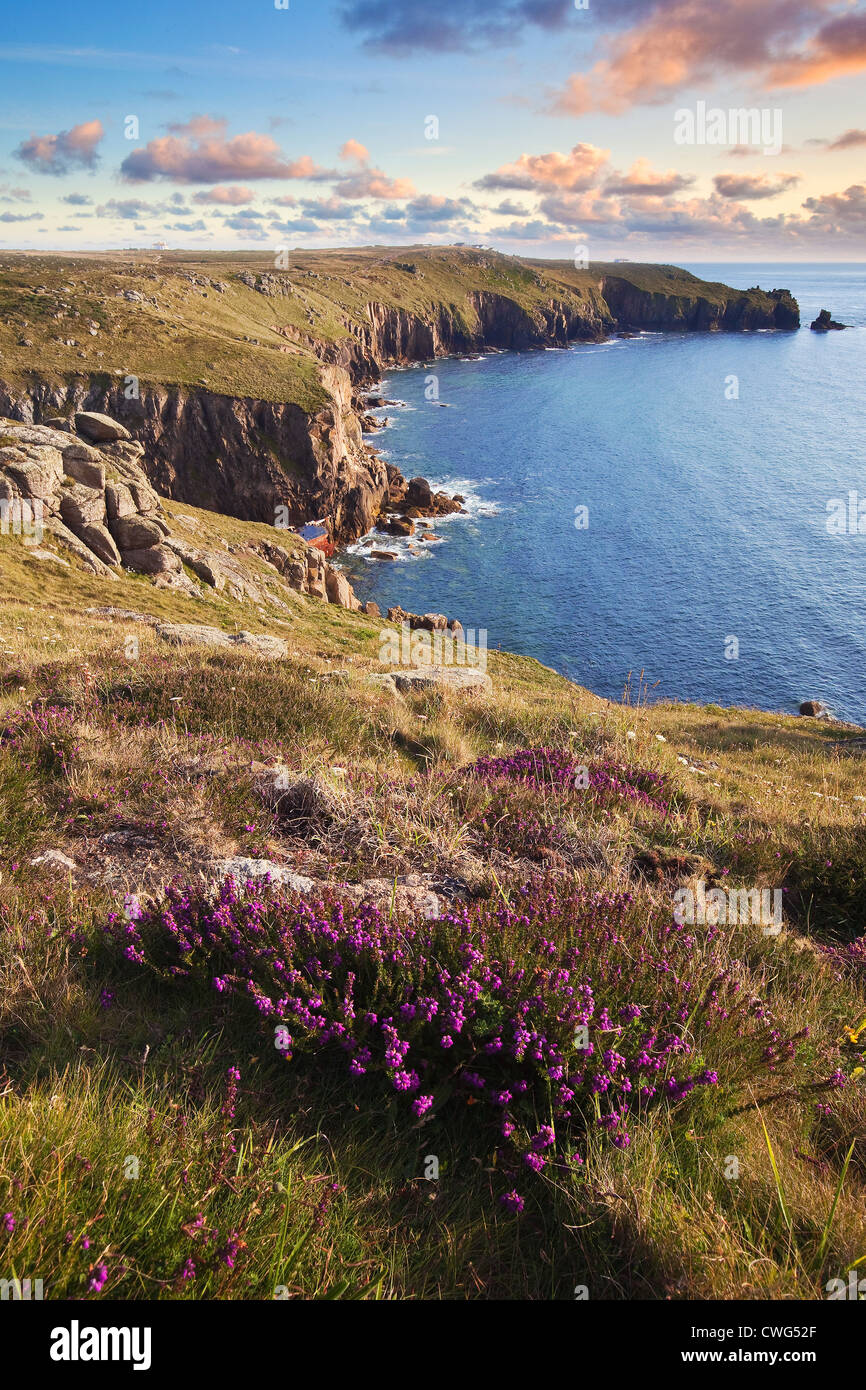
[248, 458]
[632, 307]
[487, 320]
[244, 457]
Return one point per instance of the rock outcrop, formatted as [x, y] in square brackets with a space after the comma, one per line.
[200, 635]
[824, 323]
[99, 504]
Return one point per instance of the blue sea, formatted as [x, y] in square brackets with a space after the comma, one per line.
[706, 463]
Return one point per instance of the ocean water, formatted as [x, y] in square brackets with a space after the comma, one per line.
[707, 515]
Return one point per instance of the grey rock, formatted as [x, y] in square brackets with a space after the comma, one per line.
[40, 475]
[99, 427]
[54, 859]
[84, 464]
[460, 679]
[136, 532]
[82, 506]
[199, 634]
[242, 870]
[99, 539]
[156, 559]
[119, 501]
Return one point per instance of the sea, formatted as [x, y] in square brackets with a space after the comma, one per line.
[688, 509]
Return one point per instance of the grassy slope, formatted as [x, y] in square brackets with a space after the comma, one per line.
[195, 335]
[322, 1183]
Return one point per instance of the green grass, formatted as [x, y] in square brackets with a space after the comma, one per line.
[195, 336]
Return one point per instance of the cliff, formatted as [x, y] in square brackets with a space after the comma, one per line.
[243, 384]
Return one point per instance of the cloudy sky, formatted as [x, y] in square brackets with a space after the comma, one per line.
[533, 126]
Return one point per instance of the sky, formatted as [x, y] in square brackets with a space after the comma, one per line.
[585, 129]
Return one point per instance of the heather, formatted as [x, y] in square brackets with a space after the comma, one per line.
[552, 1013]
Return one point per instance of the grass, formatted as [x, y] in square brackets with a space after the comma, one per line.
[235, 341]
[316, 1186]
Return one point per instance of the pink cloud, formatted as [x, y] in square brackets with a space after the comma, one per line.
[644, 181]
[57, 154]
[200, 153]
[232, 194]
[849, 140]
[690, 42]
[748, 187]
[837, 50]
[354, 151]
[577, 170]
[368, 182]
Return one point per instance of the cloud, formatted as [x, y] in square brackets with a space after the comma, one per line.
[354, 151]
[299, 224]
[529, 231]
[449, 25]
[579, 169]
[750, 187]
[69, 149]
[373, 183]
[644, 181]
[677, 44]
[838, 49]
[510, 208]
[128, 209]
[198, 152]
[671, 222]
[76, 200]
[233, 194]
[328, 210]
[843, 213]
[368, 182]
[433, 210]
[286, 201]
[849, 140]
[21, 217]
[14, 195]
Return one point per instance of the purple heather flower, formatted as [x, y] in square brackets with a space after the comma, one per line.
[421, 1105]
[543, 1139]
[512, 1201]
[99, 1279]
[9, 1222]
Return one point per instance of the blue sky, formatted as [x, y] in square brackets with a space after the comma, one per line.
[555, 127]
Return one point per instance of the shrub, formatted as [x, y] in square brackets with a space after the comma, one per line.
[553, 1011]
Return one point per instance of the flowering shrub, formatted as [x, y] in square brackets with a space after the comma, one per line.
[557, 768]
[849, 958]
[552, 1012]
[509, 825]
